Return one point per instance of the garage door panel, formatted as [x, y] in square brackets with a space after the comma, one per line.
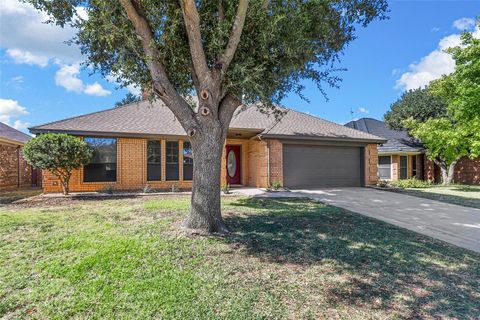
[321, 166]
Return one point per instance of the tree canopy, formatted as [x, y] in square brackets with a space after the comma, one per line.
[58, 153]
[282, 42]
[418, 104]
[461, 90]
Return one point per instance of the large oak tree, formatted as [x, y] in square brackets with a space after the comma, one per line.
[224, 52]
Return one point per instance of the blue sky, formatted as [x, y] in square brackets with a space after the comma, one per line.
[41, 81]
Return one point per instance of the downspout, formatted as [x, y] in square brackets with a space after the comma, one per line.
[18, 166]
[268, 164]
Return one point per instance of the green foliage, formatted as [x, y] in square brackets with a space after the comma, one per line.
[442, 138]
[456, 134]
[276, 185]
[129, 98]
[58, 153]
[281, 44]
[461, 90]
[418, 104]
[411, 183]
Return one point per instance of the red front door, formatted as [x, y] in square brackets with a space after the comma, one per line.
[233, 164]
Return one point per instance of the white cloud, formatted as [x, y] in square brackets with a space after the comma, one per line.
[11, 108]
[67, 77]
[363, 110]
[433, 65]
[464, 24]
[96, 90]
[32, 41]
[20, 125]
[133, 89]
[26, 57]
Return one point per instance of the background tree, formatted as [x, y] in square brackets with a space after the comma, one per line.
[58, 153]
[461, 90]
[418, 104]
[129, 98]
[225, 52]
[444, 140]
[457, 134]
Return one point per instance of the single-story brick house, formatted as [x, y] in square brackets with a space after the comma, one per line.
[402, 157]
[142, 143]
[15, 172]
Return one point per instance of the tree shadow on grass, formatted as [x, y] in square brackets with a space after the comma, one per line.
[385, 266]
[446, 198]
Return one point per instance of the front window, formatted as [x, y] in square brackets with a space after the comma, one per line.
[403, 167]
[187, 161]
[384, 167]
[172, 160]
[414, 166]
[103, 165]
[154, 160]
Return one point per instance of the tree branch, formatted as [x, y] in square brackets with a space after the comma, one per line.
[192, 25]
[161, 83]
[228, 105]
[235, 35]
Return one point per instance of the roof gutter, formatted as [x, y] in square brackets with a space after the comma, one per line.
[319, 138]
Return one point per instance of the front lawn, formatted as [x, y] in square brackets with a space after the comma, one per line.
[463, 195]
[9, 196]
[287, 258]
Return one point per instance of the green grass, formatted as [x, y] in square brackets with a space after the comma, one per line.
[463, 195]
[287, 258]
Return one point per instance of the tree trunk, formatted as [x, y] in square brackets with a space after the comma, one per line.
[65, 187]
[205, 213]
[447, 172]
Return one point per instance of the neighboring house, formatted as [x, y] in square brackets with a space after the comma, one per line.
[402, 157]
[141, 143]
[15, 172]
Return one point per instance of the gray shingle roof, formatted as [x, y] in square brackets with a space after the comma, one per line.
[12, 134]
[398, 141]
[144, 118]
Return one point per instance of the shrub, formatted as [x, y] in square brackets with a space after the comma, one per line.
[276, 185]
[411, 183]
[58, 153]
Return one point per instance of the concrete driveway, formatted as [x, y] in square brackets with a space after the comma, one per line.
[455, 224]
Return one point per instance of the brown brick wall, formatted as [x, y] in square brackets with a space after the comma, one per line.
[371, 164]
[131, 171]
[276, 161]
[258, 164]
[9, 169]
[467, 171]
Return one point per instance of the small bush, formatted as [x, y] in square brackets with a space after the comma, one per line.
[276, 185]
[411, 183]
